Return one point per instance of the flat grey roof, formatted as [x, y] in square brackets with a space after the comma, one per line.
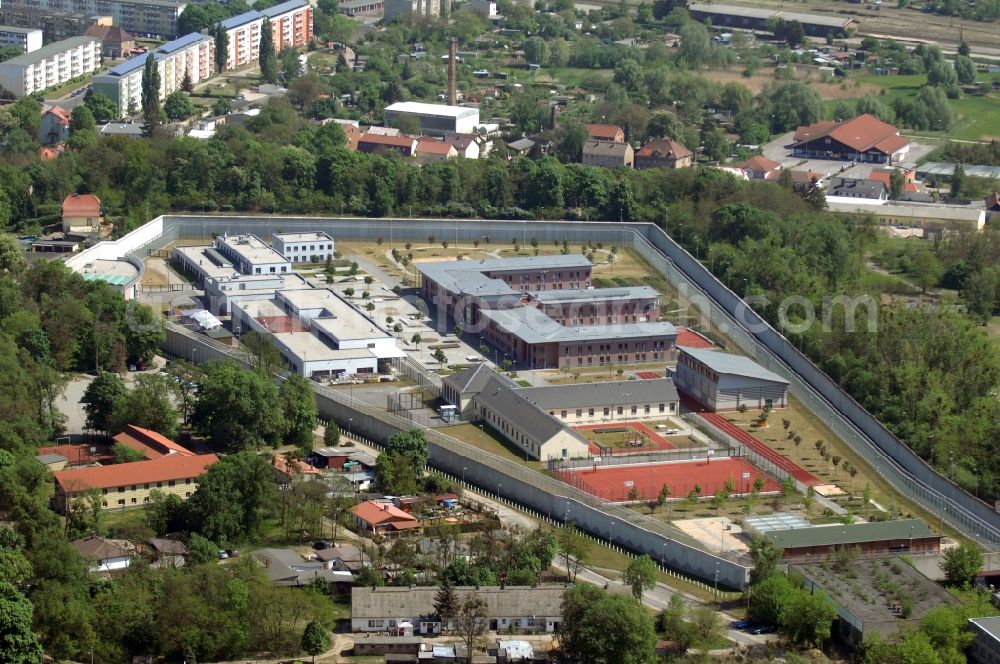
[468, 276]
[914, 211]
[596, 294]
[947, 168]
[989, 625]
[252, 249]
[601, 394]
[856, 533]
[46, 52]
[727, 363]
[535, 327]
[754, 12]
[20, 31]
[404, 602]
[338, 318]
[303, 237]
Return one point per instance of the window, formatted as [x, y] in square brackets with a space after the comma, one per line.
[187, 480]
[645, 409]
[121, 501]
[171, 483]
[134, 501]
[620, 410]
[579, 412]
[146, 485]
[590, 412]
[159, 485]
[607, 411]
[562, 414]
[146, 499]
[133, 487]
[104, 503]
[635, 409]
[104, 491]
[661, 407]
[121, 489]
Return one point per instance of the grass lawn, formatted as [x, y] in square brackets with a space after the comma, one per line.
[489, 440]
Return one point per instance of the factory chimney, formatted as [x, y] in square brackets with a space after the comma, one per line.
[452, 71]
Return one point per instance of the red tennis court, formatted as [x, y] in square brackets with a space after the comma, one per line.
[612, 482]
[647, 375]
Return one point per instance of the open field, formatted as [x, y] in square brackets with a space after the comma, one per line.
[765, 76]
[487, 439]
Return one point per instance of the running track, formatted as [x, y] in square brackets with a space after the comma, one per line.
[779, 460]
[654, 437]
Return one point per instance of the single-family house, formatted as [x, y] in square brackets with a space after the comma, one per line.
[605, 132]
[167, 552]
[382, 517]
[104, 555]
[346, 557]
[287, 469]
[760, 168]
[286, 567]
[856, 190]
[81, 211]
[431, 150]
[663, 153]
[329, 457]
[114, 40]
[53, 126]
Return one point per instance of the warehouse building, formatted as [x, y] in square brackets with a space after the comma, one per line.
[753, 18]
[50, 66]
[864, 139]
[191, 55]
[435, 119]
[722, 381]
[875, 538]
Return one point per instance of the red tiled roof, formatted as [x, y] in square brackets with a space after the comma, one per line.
[911, 187]
[885, 177]
[861, 133]
[281, 465]
[109, 33]
[759, 163]
[376, 514]
[60, 113]
[164, 469]
[432, 146]
[604, 132]
[152, 444]
[663, 148]
[81, 205]
[389, 141]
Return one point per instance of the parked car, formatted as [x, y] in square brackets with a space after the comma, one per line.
[319, 545]
[232, 553]
[741, 624]
[223, 555]
[762, 629]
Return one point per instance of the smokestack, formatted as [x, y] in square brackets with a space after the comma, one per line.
[452, 71]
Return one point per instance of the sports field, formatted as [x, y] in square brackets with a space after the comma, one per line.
[615, 483]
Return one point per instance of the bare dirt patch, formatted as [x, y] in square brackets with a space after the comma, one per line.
[757, 82]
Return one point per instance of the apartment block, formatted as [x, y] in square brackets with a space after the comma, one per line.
[193, 54]
[54, 26]
[50, 65]
[140, 17]
[291, 27]
[26, 39]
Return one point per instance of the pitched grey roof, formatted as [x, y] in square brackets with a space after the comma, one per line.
[283, 8]
[285, 567]
[606, 149]
[601, 394]
[727, 363]
[534, 327]
[46, 52]
[468, 277]
[990, 625]
[521, 144]
[403, 602]
[168, 547]
[856, 188]
[473, 379]
[596, 294]
[502, 397]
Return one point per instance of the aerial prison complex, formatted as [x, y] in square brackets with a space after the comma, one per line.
[542, 311]
[318, 332]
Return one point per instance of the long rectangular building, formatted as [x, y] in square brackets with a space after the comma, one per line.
[54, 27]
[140, 17]
[291, 27]
[723, 381]
[755, 18]
[50, 65]
[192, 55]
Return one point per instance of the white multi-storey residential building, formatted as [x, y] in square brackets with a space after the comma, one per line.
[140, 17]
[193, 54]
[26, 39]
[50, 65]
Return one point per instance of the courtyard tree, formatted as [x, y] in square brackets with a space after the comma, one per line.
[640, 575]
[105, 394]
[471, 623]
[237, 409]
[962, 563]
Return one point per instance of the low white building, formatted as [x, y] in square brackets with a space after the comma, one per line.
[435, 119]
[303, 247]
[26, 39]
[103, 555]
[251, 255]
[50, 66]
[318, 333]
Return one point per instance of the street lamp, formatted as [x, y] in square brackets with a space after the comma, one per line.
[463, 474]
[350, 433]
[480, 437]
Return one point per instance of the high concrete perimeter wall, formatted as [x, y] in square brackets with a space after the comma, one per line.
[907, 473]
[542, 493]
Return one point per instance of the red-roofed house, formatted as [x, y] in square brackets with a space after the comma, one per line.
[114, 40]
[290, 469]
[81, 210]
[150, 443]
[51, 152]
[863, 139]
[605, 132]
[124, 485]
[663, 153]
[760, 168]
[404, 145]
[54, 126]
[431, 149]
[384, 517]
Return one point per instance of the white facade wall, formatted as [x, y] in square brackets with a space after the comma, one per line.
[80, 57]
[630, 412]
[303, 252]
